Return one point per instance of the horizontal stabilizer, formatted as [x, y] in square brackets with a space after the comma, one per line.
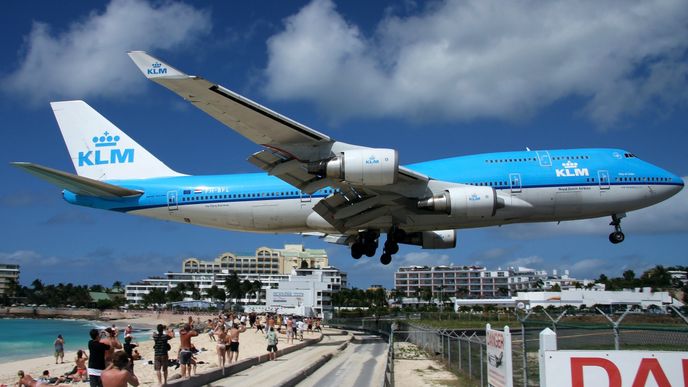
[78, 184]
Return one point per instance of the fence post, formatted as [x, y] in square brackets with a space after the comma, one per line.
[470, 359]
[615, 325]
[482, 358]
[548, 342]
[522, 320]
[460, 358]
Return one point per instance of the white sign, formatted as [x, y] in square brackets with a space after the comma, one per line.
[499, 369]
[616, 368]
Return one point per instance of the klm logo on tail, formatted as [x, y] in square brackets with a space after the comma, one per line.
[110, 155]
[571, 169]
[156, 69]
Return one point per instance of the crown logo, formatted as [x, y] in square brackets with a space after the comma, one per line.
[156, 65]
[569, 164]
[105, 140]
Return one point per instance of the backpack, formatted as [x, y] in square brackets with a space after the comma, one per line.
[272, 338]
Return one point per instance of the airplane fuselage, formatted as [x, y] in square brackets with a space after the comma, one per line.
[537, 186]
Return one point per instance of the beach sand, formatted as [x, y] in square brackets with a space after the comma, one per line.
[252, 344]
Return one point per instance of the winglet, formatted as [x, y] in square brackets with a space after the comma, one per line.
[154, 68]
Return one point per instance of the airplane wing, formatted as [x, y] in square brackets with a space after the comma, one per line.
[78, 184]
[291, 150]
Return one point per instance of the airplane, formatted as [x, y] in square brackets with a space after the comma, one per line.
[343, 193]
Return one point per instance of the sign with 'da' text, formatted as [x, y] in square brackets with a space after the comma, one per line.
[499, 368]
[616, 368]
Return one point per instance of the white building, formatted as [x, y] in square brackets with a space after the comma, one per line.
[644, 298]
[307, 292]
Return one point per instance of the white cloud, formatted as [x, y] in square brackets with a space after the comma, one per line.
[89, 58]
[460, 60]
[531, 262]
[668, 216]
[28, 258]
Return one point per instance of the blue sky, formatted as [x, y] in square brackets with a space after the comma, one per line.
[431, 79]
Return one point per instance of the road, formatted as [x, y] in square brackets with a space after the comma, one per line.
[362, 363]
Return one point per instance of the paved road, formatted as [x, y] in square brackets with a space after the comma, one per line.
[275, 372]
[358, 365]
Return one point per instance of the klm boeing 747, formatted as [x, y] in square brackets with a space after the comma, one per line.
[344, 193]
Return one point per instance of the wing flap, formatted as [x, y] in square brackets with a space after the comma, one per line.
[78, 184]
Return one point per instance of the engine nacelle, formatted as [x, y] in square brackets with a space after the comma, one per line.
[440, 239]
[464, 202]
[372, 167]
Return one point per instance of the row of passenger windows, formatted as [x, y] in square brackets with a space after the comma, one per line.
[643, 179]
[535, 159]
[490, 184]
[249, 195]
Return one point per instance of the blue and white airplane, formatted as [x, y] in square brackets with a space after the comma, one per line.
[344, 193]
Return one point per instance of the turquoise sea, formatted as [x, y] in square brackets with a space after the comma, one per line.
[27, 338]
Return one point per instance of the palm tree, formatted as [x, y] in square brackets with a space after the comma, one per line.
[233, 286]
[257, 288]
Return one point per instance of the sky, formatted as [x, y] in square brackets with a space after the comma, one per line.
[431, 79]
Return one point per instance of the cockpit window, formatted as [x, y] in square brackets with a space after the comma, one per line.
[629, 155]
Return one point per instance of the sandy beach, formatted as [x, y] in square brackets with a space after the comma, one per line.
[252, 344]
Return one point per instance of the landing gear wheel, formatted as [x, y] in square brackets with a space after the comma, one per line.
[391, 247]
[370, 249]
[616, 237]
[385, 258]
[356, 250]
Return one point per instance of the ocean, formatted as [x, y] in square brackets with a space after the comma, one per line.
[27, 338]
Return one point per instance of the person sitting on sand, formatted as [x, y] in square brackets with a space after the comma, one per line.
[25, 380]
[118, 374]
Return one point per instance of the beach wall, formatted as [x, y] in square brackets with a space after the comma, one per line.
[206, 378]
[45, 312]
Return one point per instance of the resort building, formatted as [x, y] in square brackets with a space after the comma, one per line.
[263, 261]
[8, 273]
[477, 281]
[272, 267]
[307, 292]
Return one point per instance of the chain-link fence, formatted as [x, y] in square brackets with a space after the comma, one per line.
[463, 351]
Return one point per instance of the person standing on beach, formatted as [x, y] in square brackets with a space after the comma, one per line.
[59, 349]
[185, 353]
[96, 360]
[234, 341]
[221, 345]
[112, 341]
[271, 337]
[161, 347]
[118, 374]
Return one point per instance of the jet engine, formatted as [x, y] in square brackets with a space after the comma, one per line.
[440, 239]
[371, 167]
[464, 202]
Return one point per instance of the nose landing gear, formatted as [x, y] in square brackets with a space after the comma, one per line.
[617, 236]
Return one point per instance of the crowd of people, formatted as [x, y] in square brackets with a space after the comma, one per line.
[110, 363]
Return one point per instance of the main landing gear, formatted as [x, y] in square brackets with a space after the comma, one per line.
[367, 243]
[617, 236]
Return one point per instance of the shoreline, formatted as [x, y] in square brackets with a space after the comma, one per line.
[252, 344]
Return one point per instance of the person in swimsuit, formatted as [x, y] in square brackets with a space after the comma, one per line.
[81, 372]
[25, 380]
[290, 330]
[59, 349]
[185, 335]
[234, 341]
[221, 338]
[271, 337]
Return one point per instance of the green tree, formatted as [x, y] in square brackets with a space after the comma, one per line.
[628, 275]
[233, 286]
[257, 287]
[154, 297]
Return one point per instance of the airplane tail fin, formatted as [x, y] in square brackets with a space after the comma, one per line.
[100, 150]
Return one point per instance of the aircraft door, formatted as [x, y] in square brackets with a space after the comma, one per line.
[603, 177]
[305, 198]
[545, 160]
[172, 201]
[515, 182]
